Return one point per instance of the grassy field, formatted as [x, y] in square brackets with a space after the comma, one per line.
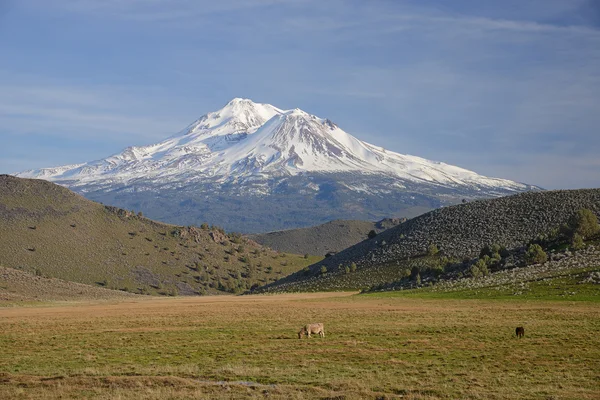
[391, 346]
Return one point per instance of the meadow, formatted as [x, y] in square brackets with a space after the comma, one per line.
[385, 346]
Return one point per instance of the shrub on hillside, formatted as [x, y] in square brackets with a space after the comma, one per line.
[536, 255]
[584, 222]
[432, 250]
[372, 234]
[577, 242]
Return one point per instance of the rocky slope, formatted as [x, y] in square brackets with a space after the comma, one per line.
[254, 167]
[48, 230]
[457, 231]
[331, 237]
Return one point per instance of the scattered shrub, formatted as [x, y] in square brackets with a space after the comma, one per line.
[482, 266]
[584, 222]
[577, 242]
[432, 250]
[536, 255]
[474, 271]
[371, 234]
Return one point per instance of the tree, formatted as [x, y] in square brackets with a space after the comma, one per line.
[372, 234]
[353, 267]
[536, 255]
[323, 270]
[584, 222]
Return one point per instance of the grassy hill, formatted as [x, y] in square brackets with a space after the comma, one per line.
[446, 243]
[48, 230]
[333, 236]
[17, 287]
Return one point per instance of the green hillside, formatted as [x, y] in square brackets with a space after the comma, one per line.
[48, 230]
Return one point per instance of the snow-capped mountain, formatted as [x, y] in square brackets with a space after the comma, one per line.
[261, 151]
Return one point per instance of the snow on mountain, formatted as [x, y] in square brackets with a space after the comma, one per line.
[246, 141]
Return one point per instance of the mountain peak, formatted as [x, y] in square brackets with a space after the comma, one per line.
[237, 116]
[255, 149]
[252, 141]
[238, 100]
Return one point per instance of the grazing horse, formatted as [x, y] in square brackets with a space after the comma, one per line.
[312, 329]
[520, 331]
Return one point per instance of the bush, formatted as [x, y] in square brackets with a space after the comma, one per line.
[323, 270]
[432, 250]
[482, 266]
[372, 234]
[353, 267]
[577, 242]
[536, 255]
[474, 271]
[584, 222]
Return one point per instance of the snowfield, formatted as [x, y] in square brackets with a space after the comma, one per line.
[247, 141]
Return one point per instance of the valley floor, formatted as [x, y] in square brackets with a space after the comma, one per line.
[390, 346]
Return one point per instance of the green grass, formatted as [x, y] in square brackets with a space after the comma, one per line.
[375, 345]
[562, 287]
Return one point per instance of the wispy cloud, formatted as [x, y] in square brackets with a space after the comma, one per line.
[65, 112]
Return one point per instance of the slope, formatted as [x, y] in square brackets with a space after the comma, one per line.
[19, 286]
[458, 232]
[48, 230]
[333, 236]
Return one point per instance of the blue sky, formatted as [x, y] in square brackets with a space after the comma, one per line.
[506, 88]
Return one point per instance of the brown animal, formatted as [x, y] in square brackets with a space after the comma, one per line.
[309, 329]
[520, 331]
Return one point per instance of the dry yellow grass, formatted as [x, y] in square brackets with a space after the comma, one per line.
[246, 347]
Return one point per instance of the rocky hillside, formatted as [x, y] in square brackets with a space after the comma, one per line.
[48, 230]
[458, 231]
[332, 237]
